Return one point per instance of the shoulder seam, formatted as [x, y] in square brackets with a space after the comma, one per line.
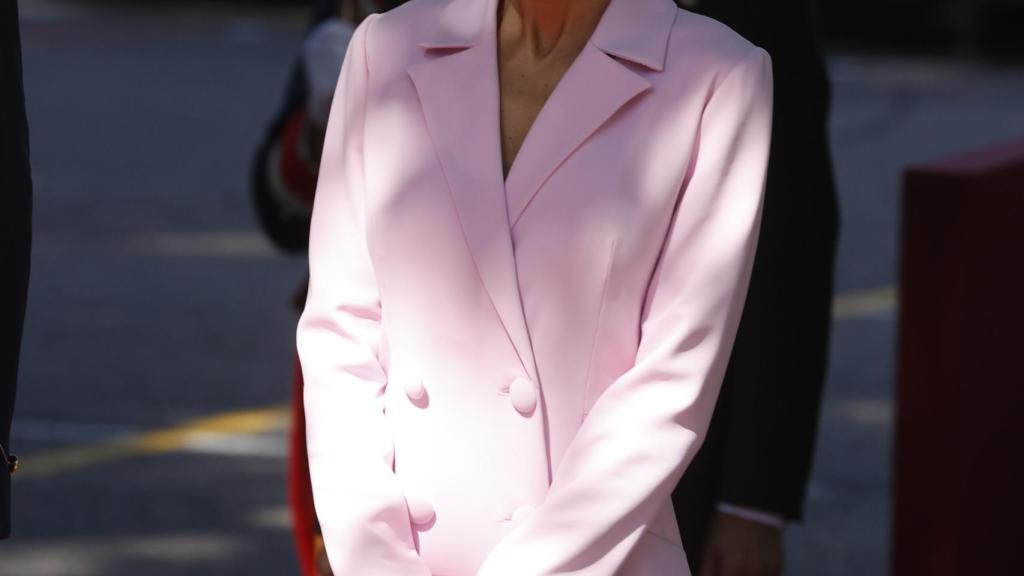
[754, 48]
[368, 21]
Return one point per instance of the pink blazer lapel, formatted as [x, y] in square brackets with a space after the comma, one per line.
[458, 91]
[593, 88]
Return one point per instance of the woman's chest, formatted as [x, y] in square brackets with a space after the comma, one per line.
[590, 169]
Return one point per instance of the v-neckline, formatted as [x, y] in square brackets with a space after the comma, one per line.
[507, 177]
[496, 35]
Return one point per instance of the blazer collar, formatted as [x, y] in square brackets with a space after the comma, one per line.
[635, 30]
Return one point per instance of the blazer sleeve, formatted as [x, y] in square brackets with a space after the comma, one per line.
[357, 497]
[646, 427]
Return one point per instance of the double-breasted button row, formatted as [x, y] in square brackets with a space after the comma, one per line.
[421, 513]
[521, 391]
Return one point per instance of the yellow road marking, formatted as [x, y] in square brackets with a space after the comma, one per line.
[158, 441]
[864, 303]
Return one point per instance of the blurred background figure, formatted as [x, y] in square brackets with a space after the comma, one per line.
[284, 173]
[284, 182]
[749, 478]
[156, 424]
[15, 239]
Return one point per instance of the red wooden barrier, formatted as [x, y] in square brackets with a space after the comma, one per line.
[958, 501]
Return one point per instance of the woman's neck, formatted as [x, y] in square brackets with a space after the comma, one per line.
[544, 25]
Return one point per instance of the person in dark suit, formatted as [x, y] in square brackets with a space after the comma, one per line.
[15, 236]
[749, 478]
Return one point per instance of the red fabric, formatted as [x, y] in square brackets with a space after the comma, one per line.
[300, 490]
[298, 176]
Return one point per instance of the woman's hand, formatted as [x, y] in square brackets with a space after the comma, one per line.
[320, 562]
[740, 547]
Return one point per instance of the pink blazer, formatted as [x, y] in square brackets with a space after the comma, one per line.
[509, 376]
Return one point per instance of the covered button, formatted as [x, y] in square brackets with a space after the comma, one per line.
[521, 512]
[420, 511]
[414, 389]
[524, 395]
